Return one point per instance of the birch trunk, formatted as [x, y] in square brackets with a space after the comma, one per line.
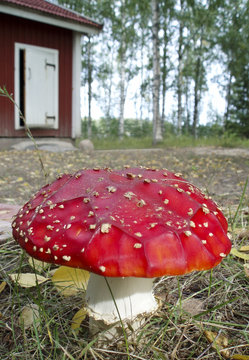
[122, 73]
[157, 130]
[180, 76]
[89, 81]
[197, 92]
[164, 72]
[122, 93]
[228, 100]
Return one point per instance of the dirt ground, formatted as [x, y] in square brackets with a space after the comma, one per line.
[221, 172]
[223, 296]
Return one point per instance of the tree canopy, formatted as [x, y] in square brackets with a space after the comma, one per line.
[152, 50]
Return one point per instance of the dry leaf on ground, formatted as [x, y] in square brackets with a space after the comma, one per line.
[78, 318]
[193, 306]
[30, 316]
[219, 342]
[239, 254]
[2, 286]
[68, 281]
[38, 265]
[28, 279]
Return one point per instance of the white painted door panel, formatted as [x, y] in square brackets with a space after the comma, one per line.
[41, 80]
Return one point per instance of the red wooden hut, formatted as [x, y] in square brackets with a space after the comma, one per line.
[40, 64]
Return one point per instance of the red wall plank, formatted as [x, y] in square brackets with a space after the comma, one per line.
[14, 29]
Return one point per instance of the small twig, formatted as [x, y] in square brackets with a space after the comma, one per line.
[209, 346]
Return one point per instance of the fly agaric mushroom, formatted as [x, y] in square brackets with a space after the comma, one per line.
[124, 225]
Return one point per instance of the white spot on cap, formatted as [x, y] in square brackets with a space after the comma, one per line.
[137, 246]
[152, 225]
[188, 233]
[66, 258]
[166, 201]
[61, 206]
[102, 268]
[204, 241]
[222, 255]
[105, 228]
[205, 209]
[141, 203]
[129, 195]
[138, 234]
[179, 190]
[111, 189]
[192, 224]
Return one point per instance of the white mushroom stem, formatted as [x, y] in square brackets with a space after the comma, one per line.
[133, 296]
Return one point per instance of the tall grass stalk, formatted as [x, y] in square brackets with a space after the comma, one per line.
[4, 92]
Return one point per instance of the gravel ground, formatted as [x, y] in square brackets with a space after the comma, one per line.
[221, 172]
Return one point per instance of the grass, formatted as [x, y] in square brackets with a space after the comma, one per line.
[176, 331]
[169, 141]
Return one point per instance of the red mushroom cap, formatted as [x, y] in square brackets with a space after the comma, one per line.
[133, 222]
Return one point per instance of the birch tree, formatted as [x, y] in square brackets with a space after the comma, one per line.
[157, 130]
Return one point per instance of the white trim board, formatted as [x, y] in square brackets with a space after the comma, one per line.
[76, 71]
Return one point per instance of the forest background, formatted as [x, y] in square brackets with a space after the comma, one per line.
[170, 50]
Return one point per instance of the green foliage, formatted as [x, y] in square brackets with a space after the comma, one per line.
[234, 42]
[108, 127]
[138, 135]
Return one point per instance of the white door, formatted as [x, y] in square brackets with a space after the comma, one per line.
[40, 86]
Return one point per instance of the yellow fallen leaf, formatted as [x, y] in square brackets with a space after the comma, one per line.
[244, 248]
[240, 357]
[28, 279]
[2, 286]
[29, 316]
[78, 318]
[38, 265]
[68, 281]
[218, 342]
[239, 254]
